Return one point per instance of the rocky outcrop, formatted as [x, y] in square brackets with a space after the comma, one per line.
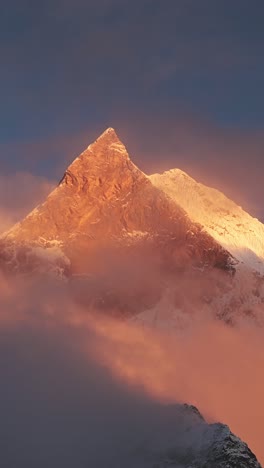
[228, 450]
[183, 439]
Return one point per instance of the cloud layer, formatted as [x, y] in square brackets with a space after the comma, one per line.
[81, 385]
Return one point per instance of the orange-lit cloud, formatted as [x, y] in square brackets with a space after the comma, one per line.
[215, 367]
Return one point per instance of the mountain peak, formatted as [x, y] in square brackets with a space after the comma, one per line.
[106, 155]
[223, 219]
[107, 148]
[110, 131]
[109, 136]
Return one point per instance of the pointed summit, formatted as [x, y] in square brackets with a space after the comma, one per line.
[107, 139]
[101, 177]
[107, 142]
[106, 161]
[106, 152]
[103, 159]
[109, 132]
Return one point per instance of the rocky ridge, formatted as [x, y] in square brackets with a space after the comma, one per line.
[223, 219]
[183, 439]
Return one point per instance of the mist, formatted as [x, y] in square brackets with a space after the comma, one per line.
[61, 405]
[79, 388]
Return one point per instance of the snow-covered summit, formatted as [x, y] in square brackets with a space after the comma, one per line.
[231, 226]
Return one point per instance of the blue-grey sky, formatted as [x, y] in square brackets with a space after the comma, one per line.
[180, 80]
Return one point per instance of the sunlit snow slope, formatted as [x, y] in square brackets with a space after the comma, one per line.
[237, 231]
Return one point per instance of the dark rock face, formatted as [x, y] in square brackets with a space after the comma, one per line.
[216, 447]
[230, 452]
[183, 439]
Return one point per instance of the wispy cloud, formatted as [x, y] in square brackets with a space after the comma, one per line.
[77, 378]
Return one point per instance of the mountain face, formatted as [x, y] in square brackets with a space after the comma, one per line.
[107, 221]
[131, 243]
[183, 439]
[226, 222]
[104, 198]
[234, 229]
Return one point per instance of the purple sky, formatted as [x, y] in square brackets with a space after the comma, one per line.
[181, 81]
